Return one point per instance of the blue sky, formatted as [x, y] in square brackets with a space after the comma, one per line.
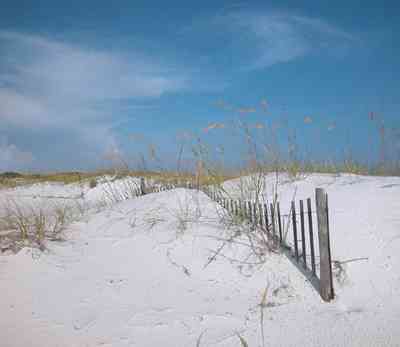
[83, 81]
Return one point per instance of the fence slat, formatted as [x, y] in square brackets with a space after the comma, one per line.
[142, 186]
[271, 208]
[310, 229]
[250, 212]
[266, 217]
[255, 219]
[326, 285]
[296, 249]
[279, 222]
[303, 234]
[260, 211]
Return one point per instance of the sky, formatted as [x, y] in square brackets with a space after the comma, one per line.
[85, 82]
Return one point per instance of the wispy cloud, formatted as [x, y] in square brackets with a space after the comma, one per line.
[45, 82]
[284, 37]
[52, 86]
[264, 38]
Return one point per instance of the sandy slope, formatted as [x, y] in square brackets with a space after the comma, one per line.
[107, 188]
[134, 276]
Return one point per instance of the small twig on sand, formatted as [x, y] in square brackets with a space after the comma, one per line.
[351, 260]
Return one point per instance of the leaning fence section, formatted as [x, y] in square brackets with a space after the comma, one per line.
[302, 234]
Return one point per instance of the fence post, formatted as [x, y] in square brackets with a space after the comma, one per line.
[326, 283]
[142, 186]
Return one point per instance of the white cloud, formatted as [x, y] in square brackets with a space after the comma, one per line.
[12, 158]
[52, 87]
[45, 82]
[22, 110]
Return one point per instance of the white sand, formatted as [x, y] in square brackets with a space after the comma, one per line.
[133, 275]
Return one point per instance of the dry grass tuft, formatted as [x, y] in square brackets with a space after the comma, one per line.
[25, 225]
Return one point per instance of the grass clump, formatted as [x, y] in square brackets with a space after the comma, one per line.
[93, 183]
[25, 225]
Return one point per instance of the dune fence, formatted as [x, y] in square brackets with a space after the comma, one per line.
[294, 233]
[302, 235]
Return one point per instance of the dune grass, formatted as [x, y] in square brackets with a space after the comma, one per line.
[25, 224]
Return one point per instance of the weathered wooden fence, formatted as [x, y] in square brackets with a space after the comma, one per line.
[294, 232]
